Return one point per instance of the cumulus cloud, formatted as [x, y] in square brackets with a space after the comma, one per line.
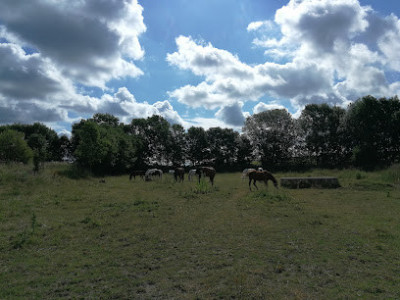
[261, 106]
[231, 114]
[330, 51]
[124, 105]
[48, 48]
[88, 41]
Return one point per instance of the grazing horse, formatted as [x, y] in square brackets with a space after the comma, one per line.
[261, 176]
[135, 173]
[246, 172]
[192, 172]
[179, 174]
[207, 172]
[150, 173]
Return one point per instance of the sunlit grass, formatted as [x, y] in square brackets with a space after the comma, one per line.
[67, 238]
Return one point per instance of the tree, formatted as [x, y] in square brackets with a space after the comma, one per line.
[223, 147]
[245, 152]
[38, 144]
[198, 147]
[371, 128]
[91, 150]
[13, 147]
[50, 136]
[178, 145]
[271, 133]
[106, 119]
[104, 147]
[319, 126]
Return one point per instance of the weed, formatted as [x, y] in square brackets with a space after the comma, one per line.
[202, 187]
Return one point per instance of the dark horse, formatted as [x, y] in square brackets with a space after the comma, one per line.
[179, 174]
[261, 176]
[206, 172]
[136, 173]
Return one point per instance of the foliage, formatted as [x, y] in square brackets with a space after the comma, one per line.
[103, 148]
[371, 127]
[198, 146]
[319, 126]
[272, 136]
[50, 147]
[178, 145]
[223, 147]
[13, 147]
[365, 135]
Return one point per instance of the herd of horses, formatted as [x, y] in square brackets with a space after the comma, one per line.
[179, 175]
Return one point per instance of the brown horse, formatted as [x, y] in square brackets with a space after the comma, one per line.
[206, 172]
[261, 176]
[137, 173]
[179, 174]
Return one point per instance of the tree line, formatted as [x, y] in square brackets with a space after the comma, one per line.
[365, 135]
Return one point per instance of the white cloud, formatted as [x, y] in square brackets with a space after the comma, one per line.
[329, 51]
[49, 48]
[208, 123]
[258, 25]
[124, 105]
[88, 41]
[261, 106]
[231, 114]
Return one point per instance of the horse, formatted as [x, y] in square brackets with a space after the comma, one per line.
[135, 173]
[150, 173]
[207, 172]
[179, 174]
[192, 172]
[246, 172]
[261, 176]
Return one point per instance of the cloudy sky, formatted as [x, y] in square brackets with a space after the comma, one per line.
[195, 62]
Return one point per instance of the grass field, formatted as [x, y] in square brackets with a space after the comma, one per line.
[72, 239]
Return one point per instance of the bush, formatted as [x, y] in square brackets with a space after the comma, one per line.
[13, 147]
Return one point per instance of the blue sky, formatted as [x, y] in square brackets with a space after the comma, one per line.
[198, 63]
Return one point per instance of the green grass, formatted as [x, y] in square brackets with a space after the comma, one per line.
[68, 238]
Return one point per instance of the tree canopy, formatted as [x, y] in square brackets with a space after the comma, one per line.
[366, 135]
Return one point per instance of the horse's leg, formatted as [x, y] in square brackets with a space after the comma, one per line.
[254, 182]
[250, 184]
[212, 180]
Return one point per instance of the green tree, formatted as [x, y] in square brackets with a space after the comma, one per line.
[178, 145]
[319, 126]
[371, 128]
[38, 144]
[198, 146]
[245, 153]
[223, 147]
[91, 150]
[272, 136]
[13, 147]
[51, 137]
[154, 139]
[106, 119]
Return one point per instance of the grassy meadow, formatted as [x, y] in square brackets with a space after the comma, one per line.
[82, 238]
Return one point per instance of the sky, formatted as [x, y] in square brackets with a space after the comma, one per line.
[201, 63]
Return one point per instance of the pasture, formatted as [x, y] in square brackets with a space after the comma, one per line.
[119, 239]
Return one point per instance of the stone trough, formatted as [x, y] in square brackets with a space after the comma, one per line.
[309, 182]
